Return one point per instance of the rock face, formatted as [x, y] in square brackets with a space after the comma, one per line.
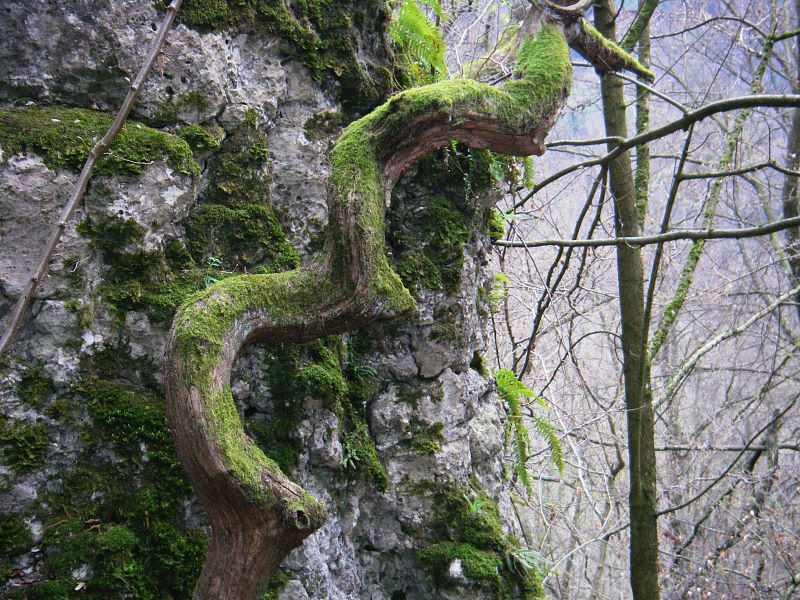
[397, 428]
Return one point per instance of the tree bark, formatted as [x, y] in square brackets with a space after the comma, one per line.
[636, 369]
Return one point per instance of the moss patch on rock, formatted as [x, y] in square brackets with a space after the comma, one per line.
[63, 138]
[114, 525]
[234, 221]
[23, 445]
[232, 230]
[202, 138]
[14, 534]
[427, 439]
[326, 37]
[325, 372]
[466, 535]
[34, 387]
[427, 235]
[137, 279]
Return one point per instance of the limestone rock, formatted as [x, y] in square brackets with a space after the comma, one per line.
[431, 418]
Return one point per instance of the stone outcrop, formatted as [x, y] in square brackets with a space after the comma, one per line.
[396, 427]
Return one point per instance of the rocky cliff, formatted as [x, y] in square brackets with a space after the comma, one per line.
[221, 171]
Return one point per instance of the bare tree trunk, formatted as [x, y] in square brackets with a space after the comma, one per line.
[791, 185]
[636, 369]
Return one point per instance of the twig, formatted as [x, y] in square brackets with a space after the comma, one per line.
[670, 236]
[683, 371]
[99, 150]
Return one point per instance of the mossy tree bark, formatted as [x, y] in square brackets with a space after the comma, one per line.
[636, 368]
[257, 514]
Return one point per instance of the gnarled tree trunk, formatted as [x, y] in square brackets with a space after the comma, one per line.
[257, 514]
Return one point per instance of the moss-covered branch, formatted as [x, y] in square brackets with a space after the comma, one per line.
[605, 55]
[257, 514]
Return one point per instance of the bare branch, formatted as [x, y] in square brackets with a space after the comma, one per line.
[747, 448]
[654, 91]
[99, 150]
[671, 236]
[742, 171]
[704, 112]
[687, 366]
[573, 10]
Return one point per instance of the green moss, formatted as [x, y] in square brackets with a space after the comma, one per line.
[248, 237]
[627, 60]
[189, 106]
[202, 138]
[239, 234]
[323, 125]
[496, 225]
[428, 237]
[34, 387]
[466, 527]
[119, 512]
[118, 564]
[469, 516]
[234, 222]
[418, 272]
[75, 273]
[324, 36]
[138, 279]
[277, 582]
[360, 457]
[478, 363]
[23, 445]
[427, 439]
[326, 382]
[427, 234]
[321, 370]
[63, 138]
[14, 534]
[60, 409]
[282, 363]
[43, 590]
[479, 566]
[82, 312]
[447, 327]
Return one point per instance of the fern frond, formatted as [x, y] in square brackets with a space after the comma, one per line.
[517, 437]
[435, 6]
[546, 430]
[419, 43]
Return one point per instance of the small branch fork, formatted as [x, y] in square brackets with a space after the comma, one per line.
[99, 150]
[682, 123]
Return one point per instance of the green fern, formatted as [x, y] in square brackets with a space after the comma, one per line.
[548, 432]
[419, 42]
[517, 438]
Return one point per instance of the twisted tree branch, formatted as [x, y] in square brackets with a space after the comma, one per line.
[257, 514]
